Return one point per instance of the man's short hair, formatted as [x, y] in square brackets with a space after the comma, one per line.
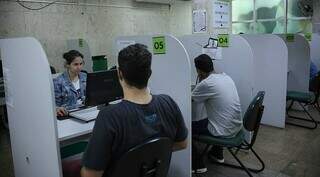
[135, 65]
[204, 63]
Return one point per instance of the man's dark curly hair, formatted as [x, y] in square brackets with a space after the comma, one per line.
[135, 65]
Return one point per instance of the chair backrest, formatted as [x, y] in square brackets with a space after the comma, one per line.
[53, 70]
[253, 115]
[150, 159]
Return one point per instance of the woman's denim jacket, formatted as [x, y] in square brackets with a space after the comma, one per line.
[65, 93]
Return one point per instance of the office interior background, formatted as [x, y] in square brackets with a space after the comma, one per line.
[100, 21]
[289, 152]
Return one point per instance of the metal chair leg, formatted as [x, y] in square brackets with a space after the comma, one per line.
[241, 164]
[259, 158]
[317, 107]
[241, 167]
[311, 119]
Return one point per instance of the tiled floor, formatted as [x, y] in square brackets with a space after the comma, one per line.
[289, 152]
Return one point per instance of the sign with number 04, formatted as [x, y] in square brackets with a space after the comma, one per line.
[159, 45]
[223, 40]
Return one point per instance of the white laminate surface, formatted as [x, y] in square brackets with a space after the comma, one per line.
[71, 128]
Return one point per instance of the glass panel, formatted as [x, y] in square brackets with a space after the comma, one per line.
[270, 9]
[298, 8]
[242, 10]
[276, 27]
[245, 28]
[299, 26]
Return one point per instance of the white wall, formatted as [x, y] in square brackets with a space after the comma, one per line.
[208, 6]
[98, 25]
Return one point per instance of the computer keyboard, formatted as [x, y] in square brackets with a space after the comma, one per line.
[87, 114]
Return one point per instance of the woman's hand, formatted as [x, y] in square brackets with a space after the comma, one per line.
[61, 111]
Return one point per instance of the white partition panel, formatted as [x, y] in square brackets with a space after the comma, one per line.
[270, 75]
[315, 49]
[170, 75]
[298, 63]
[236, 61]
[31, 111]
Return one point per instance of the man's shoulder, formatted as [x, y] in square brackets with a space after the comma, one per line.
[112, 113]
[219, 76]
[163, 98]
[112, 108]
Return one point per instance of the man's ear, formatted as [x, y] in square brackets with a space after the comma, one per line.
[120, 75]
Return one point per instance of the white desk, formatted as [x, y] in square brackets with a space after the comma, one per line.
[70, 128]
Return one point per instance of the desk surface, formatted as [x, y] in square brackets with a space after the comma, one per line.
[71, 128]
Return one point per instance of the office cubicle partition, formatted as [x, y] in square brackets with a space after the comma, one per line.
[31, 110]
[270, 59]
[298, 63]
[315, 49]
[170, 75]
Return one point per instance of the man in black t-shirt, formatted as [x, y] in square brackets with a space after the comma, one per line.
[139, 117]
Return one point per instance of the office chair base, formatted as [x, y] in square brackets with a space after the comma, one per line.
[315, 124]
[308, 119]
[234, 154]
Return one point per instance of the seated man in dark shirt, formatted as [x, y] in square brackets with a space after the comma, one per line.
[139, 117]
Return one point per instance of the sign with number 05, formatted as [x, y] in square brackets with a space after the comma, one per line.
[223, 40]
[159, 45]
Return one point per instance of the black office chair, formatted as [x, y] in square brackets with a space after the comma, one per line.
[304, 100]
[251, 122]
[150, 159]
[53, 70]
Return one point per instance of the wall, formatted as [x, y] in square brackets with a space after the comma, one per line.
[208, 6]
[98, 25]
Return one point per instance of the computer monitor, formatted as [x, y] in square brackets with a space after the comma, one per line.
[102, 88]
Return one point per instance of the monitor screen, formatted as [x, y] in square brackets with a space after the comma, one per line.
[102, 88]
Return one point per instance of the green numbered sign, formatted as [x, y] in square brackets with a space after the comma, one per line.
[223, 40]
[308, 36]
[290, 37]
[81, 43]
[159, 45]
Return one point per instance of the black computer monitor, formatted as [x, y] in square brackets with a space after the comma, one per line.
[102, 88]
